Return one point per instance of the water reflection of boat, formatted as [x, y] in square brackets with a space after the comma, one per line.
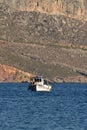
[39, 84]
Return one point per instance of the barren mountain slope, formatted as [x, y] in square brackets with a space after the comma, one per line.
[55, 62]
[44, 21]
[73, 8]
[45, 37]
[42, 28]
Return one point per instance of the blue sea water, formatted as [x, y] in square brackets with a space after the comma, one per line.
[64, 108]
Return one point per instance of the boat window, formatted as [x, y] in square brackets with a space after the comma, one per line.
[46, 82]
[37, 80]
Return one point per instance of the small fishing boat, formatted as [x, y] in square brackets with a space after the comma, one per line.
[39, 84]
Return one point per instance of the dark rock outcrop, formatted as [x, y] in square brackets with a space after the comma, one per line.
[37, 27]
[44, 21]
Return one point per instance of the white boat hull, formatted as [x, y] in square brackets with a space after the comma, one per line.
[43, 88]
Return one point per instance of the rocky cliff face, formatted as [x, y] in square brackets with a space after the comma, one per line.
[35, 27]
[44, 21]
[10, 74]
[72, 8]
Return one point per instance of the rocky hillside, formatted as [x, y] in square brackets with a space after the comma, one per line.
[73, 8]
[43, 21]
[10, 74]
[54, 62]
[46, 37]
[42, 28]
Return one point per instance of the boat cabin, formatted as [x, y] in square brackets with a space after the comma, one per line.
[37, 80]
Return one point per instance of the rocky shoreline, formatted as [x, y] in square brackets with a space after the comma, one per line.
[11, 74]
